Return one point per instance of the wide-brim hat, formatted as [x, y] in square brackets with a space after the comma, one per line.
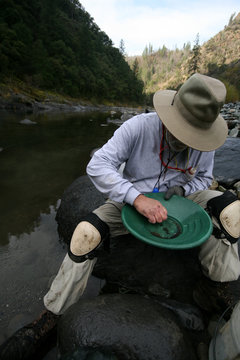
[192, 113]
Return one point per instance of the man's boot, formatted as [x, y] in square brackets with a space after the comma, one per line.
[213, 296]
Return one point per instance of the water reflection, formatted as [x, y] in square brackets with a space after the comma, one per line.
[27, 263]
[39, 161]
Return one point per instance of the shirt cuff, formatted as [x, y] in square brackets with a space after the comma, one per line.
[131, 195]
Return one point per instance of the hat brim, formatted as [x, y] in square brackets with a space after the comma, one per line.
[195, 137]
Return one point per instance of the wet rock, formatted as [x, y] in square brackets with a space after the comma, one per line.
[117, 122]
[123, 116]
[158, 290]
[226, 163]
[128, 326]
[89, 354]
[234, 132]
[231, 113]
[17, 322]
[232, 124]
[189, 316]
[27, 122]
[126, 115]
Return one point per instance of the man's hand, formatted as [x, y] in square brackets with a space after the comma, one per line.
[175, 190]
[152, 209]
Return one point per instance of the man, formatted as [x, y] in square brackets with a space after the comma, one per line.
[169, 151]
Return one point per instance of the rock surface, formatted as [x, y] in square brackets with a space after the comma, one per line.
[78, 200]
[129, 326]
[231, 113]
[226, 165]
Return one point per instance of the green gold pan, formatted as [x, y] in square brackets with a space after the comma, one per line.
[188, 224]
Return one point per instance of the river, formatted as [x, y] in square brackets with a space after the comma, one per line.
[38, 161]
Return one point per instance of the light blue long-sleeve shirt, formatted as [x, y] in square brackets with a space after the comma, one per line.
[137, 143]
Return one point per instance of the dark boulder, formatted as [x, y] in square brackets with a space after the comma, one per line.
[80, 198]
[127, 326]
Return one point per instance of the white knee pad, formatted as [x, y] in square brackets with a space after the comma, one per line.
[87, 238]
[226, 209]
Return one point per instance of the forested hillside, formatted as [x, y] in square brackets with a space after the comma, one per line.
[219, 57]
[160, 69]
[55, 45]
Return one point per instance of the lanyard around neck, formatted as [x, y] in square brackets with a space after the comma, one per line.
[166, 165]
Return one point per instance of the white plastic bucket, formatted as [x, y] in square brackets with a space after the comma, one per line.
[226, 346]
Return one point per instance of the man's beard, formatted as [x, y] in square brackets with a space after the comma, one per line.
[174, 144]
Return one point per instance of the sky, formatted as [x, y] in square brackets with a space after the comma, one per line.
[160, 22]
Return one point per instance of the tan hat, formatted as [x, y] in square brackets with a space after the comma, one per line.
[192, 113]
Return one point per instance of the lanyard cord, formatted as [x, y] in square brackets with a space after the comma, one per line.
[166, 165]
[163, 171]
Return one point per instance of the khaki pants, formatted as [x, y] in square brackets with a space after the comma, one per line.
[218, 257]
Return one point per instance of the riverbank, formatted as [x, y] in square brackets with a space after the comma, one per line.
[19, 97]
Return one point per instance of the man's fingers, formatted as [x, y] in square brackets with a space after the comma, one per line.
[161, 215]
[164, 213]
[152, 209]
[157, 216]
[152, 220]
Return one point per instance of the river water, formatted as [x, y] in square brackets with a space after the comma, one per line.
[37, 162]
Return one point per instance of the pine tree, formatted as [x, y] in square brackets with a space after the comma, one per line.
[122, 47]
[135, 67]
[193, 64]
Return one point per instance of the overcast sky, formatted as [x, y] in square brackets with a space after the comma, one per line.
[160, 22]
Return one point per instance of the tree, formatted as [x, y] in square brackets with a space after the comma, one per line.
[135, 67]
[231, 19]
[56, 45]
[148, 50]
[193, 64]
[122, 47]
